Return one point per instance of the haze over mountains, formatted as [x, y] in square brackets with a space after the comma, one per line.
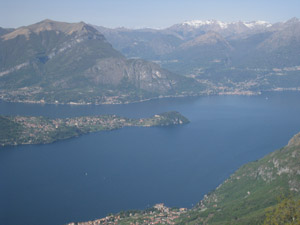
[58, 62]
[164, 41]
[236, 57]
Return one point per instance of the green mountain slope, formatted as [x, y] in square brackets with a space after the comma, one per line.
[245, 196]
[58, 62]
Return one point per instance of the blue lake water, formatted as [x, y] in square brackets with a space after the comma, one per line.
[134, 168]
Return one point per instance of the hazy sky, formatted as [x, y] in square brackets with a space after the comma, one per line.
[144, 13]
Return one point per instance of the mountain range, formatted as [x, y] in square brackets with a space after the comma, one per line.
[161, 42]
[77, 63]
[237, 57]
[58, 62]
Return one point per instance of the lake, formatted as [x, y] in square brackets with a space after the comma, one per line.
[90, 176]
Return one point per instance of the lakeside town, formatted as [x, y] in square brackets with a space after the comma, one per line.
[158, 214]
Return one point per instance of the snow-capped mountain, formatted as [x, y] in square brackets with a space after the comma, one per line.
[196, 43]
[259, 23]
[224, 25]
[201, 23]
[193, 28]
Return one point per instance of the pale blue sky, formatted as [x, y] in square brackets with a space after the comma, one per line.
[144, 13]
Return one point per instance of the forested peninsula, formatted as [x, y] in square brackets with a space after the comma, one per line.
[16, 130]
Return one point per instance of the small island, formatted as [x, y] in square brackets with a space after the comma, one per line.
[17, 130]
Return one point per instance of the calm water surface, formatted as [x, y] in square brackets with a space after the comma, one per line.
[133, 168]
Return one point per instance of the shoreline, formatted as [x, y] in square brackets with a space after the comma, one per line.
[246, 93]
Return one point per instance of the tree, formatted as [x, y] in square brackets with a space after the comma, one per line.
[287, 212]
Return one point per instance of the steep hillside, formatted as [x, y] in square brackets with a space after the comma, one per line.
[282, 48]
[245, 196]
[57, 62]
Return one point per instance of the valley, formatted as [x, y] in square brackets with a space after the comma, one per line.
[226, 58]
[77, 63]
[238, 84]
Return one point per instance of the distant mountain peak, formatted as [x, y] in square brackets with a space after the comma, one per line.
[292, 20]
[48, 25]
[46, 21]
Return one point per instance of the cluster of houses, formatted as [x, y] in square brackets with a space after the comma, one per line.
[160, 215]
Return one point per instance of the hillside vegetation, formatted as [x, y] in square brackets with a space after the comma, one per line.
[256, 186]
